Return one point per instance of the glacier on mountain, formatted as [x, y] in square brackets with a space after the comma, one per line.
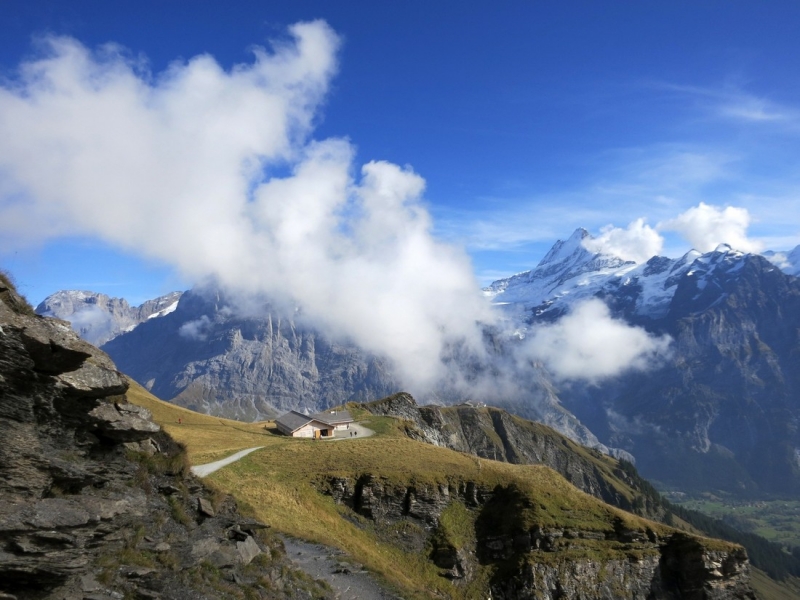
[98, 318]
[570, 273]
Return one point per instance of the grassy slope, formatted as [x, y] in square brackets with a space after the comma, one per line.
[606, 465]
[769, 589]
[280, 484]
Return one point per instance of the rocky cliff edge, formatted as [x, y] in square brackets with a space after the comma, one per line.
[96, 502]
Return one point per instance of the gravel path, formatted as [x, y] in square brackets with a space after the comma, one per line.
[349, 581]
[357, 429]
[209, 468]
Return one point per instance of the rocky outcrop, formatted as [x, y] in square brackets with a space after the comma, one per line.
[711, 576]
[379, 499]
[96, 502]
[612, 562]
[494, 433]
[599, 580]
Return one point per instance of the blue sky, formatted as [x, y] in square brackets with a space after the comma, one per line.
[525, 119]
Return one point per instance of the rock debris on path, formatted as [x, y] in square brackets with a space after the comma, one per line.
[350, 582]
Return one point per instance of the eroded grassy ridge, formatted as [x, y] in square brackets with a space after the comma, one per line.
[282, 483]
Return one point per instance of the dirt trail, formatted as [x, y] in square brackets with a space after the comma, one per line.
[209, 468]
[349, 581]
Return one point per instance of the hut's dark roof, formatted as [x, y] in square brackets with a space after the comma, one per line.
[332, 417]
[293, 420]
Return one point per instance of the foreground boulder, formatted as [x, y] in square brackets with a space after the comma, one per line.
[96, 501]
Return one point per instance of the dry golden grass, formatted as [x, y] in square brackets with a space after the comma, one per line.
[206, 438]
[281, 483]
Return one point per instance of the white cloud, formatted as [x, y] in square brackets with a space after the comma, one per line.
[92, 323]
[196, 330]
[90, 144]
[175, 166]
[735, 103]
[638, 242]
[753, 109]
[705, 227]
[587, 344]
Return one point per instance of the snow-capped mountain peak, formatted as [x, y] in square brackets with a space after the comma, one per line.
[571, 258]
[570, 272]
[567, 250]
[98, 318]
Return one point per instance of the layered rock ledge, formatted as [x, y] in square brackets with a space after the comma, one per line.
[96, 502]
[612, 561]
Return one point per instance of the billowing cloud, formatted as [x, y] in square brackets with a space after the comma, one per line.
[181, 167]
[637, 242]
[705, 227]
[92, 323]
[588, 344]
[196, 330]
[93, 144]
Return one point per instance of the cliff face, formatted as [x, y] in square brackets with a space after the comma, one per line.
[495, 434]
[613, 561]
[95, 500]
[682, 570]
[720, 413]
[209, 356]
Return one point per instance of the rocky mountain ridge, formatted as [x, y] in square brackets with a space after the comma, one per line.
[98, 318]
[213, 357]
[96, 501]
[719, 413]
[496, 434]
